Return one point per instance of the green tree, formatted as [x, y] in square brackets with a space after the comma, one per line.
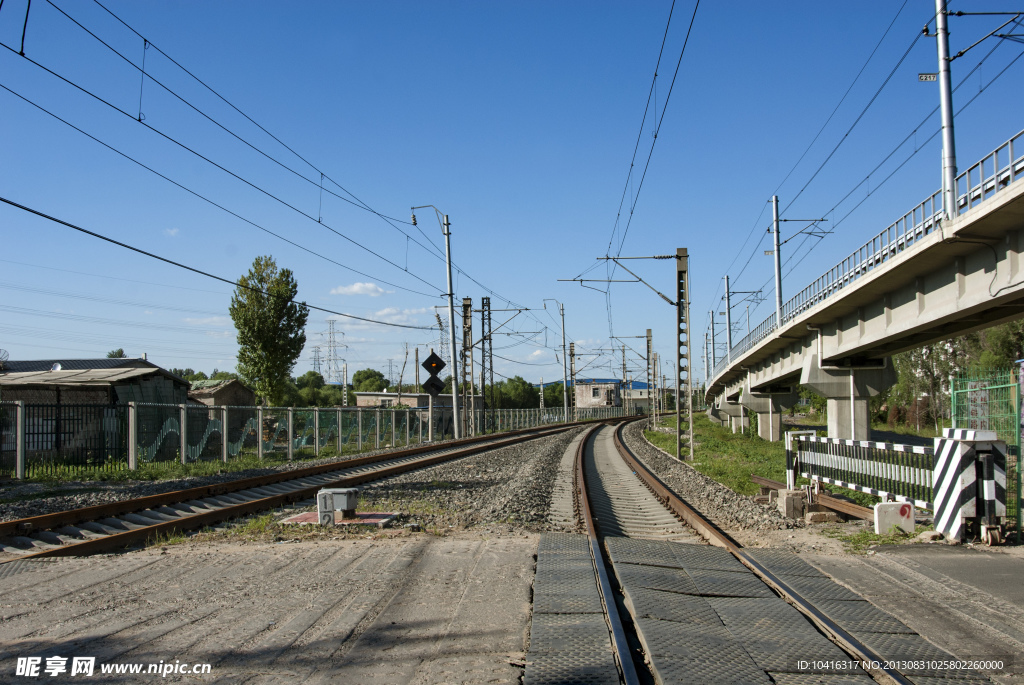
[270, 327]
[310, 379]
[117, 354]
[223, 376]
[189, 374]
[369, 380]
[553, 395]
[517, 393]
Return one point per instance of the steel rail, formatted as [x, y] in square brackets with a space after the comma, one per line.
[871, 661]
[833, 503]
[622, 651]
[198, 520]
[73, 516]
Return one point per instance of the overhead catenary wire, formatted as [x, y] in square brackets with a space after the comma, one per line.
[199, 271]
[206, 199]
[828, 120]
[327, 176]
[223, 168]
[903, 163]
[921, 146]
[635, 197]
[355, 201]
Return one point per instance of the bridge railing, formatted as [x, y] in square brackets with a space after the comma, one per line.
[901, 235]
[997, 170]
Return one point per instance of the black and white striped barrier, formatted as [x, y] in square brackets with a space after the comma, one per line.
[965, 458]
[963, 477]
[887, 470]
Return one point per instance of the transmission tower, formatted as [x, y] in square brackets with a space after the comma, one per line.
[336, 371]
[316, 359]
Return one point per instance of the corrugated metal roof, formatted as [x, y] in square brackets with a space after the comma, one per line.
[208, 384]
[25, 366]
[80, 377]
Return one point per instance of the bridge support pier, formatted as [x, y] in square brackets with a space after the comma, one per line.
[734, 416]
[848, 390]
[769, 407]
[718, 416]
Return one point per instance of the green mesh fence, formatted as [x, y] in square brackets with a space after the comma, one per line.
[990, 400]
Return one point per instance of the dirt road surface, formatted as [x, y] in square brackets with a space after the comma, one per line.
[411, 609]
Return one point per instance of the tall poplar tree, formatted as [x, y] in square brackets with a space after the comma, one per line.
[270, 325]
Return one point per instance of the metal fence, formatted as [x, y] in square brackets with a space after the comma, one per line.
[991, 400]
[903, 472]
[58, 440]
[69, 440]
[997, 170]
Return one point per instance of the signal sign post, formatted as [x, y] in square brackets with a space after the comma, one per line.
[433, 385]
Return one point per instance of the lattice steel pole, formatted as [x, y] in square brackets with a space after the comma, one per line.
[684, 381]
[467, 357]
[650, 400]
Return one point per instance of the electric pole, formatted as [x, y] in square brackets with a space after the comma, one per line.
[946, 105]
[778, 262]
[572, 376]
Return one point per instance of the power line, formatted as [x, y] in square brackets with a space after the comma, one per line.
[821, 130]
[793, 254]
[636, 146]
[208, 160]
[199, 271]
[657, 129]
[203, 197]
[355, 201]
[114, 278]
[107, 300]
[361, 204]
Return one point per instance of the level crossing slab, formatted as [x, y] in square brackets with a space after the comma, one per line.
[711, 625]
[569, 638]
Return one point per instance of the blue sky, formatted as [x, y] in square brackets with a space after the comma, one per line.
[517, 119]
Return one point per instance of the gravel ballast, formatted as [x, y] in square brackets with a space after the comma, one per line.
[504, 490]
[509, 488]
[22, 500]
[728, 510]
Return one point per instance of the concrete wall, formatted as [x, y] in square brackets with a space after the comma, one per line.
[607, 395]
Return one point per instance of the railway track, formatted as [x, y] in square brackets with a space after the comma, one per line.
[656, 592]
[121, 524]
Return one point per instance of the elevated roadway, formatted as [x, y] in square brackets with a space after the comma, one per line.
[925, 278]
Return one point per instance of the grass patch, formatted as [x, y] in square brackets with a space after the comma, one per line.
[162, 539]
[859, 542]
[174, 470]
[731, 458]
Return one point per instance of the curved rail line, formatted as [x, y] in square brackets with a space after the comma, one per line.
[707, 530]
[119, 524]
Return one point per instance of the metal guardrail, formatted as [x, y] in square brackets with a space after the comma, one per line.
[997, 170]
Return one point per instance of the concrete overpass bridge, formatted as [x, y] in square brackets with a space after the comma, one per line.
[925, 278]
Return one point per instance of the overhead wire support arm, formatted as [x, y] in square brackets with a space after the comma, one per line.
[806, 230]
[990, 34]
[658, 292]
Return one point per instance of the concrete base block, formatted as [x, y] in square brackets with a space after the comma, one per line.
[890, 514]
[791, 503]
[823, 517]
